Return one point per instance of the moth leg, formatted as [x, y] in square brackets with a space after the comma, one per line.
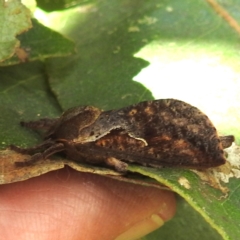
[46, 144]
[58, 147]
[36, 157]
[44, 123]
[117, 164]
[227, 140]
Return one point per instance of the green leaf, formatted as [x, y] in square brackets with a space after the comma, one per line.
[181, 50]
[24, 95]
[41, 42]
[187, 224]
[49, 6]
[215, 207]
[14, 19]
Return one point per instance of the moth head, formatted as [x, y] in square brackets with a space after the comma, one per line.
[73, 121]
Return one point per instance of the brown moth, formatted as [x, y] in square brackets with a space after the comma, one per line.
[165, 132]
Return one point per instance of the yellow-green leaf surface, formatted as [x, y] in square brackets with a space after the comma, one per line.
[15, 19]
[187, 224]
[217, 208]
[57, 5]
[40, 43]
[177, 49]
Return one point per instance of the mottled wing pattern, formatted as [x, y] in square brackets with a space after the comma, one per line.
[157, 133]
[174, 133]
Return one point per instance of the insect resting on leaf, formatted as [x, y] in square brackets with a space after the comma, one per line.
[165, 132]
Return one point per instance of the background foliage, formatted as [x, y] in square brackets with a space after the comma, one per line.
[115, 53]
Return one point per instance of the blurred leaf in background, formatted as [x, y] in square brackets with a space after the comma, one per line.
[111, 54]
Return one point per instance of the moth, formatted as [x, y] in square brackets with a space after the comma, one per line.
[158, 133]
